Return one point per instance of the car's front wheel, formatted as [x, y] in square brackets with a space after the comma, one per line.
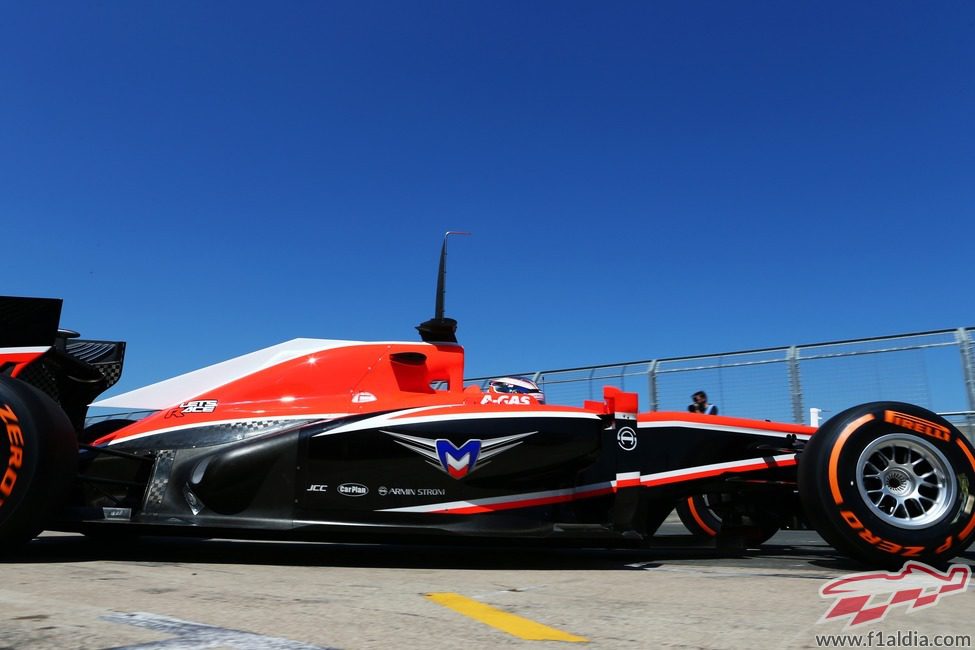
[886, 482]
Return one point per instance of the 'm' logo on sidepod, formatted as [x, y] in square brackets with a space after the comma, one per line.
[460, 461]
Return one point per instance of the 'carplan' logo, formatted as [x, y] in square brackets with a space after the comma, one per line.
[867, 597]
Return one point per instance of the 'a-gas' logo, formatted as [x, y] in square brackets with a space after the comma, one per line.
[523, 400]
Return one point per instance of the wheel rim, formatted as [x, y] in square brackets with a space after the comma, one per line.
[906, 481]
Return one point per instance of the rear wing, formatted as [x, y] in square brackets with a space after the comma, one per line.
[28, 322]
[33, 349]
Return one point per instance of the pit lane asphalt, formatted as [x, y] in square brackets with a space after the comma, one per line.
[65, 591]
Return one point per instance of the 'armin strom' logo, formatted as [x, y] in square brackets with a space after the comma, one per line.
[460, 461]
[868, 597]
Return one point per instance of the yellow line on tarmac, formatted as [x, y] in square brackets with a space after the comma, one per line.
[514, 625]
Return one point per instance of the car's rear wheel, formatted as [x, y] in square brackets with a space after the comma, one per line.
[698, 516]
[704, 516]
[38, 460]
[886, 482]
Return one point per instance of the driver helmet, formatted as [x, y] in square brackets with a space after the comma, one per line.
[516, 385]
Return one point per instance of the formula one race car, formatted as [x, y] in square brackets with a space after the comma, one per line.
[344, 440]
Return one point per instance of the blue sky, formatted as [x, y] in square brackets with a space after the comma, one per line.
[642, 179]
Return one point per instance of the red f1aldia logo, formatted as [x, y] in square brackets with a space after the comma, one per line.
[868, 597]
[458, 462]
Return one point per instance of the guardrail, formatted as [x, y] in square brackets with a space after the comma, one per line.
[934, 369]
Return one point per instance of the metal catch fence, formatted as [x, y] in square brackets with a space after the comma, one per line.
[933, 369]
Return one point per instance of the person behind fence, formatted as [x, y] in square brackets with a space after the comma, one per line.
[699, 404]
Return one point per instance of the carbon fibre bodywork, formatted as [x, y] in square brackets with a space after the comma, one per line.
[349, 440]
[324, 439]
[454, 469]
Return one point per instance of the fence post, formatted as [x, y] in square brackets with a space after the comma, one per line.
[967, 364]
[652, 386]
[792, 359]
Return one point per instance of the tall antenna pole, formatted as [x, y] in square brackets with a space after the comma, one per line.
[441, 328]
[442, 273]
